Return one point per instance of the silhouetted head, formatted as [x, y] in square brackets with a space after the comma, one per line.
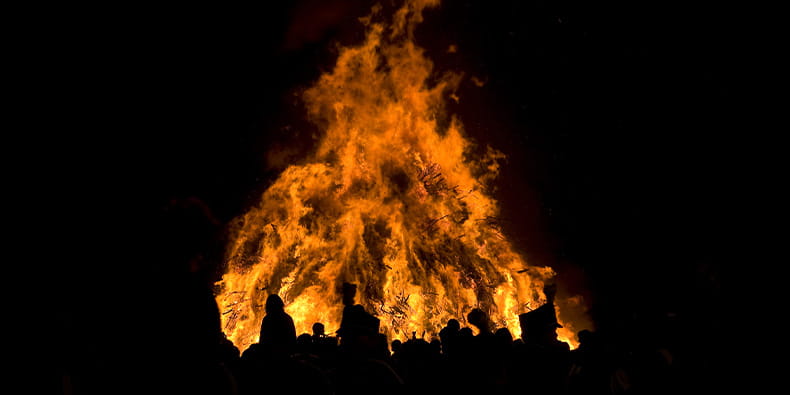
[318, 329]
[349, 293]
[504, 334]
[396, 344]
[479, 318]
[274, 304]
[252, 353]
[303, 343]
[453, 324]
[304, 338]
[465, 332]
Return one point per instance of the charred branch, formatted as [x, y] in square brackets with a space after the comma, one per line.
[434, 182]
[431, 225]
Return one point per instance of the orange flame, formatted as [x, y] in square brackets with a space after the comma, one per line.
[390, 200]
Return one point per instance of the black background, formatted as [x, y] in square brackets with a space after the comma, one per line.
[620, 122]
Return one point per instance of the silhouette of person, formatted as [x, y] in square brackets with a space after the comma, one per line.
[449, 337]
[504, 341]
[323, 346]
[278, 333]
[360, 369]
[483, 371]
[318, 330]
[304, 344]
[356, 323]
[396, 346]
[274, 362]
[480, 320]
[539, 326]
[543, 358]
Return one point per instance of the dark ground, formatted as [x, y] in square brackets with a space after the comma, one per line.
[621, 124]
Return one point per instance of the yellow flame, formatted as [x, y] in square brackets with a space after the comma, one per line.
[391, 200]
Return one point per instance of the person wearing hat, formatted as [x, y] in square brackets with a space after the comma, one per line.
[543, 360]
[539, 326]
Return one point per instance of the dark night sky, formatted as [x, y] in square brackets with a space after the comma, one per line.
[616, 119]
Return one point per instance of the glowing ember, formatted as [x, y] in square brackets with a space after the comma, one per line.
[391, 201]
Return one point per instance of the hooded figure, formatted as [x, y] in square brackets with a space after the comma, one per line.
[278, 333]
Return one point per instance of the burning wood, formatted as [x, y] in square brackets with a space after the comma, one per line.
[355, 210]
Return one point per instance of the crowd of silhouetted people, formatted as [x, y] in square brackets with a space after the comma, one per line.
[361, 360]
[178, 348]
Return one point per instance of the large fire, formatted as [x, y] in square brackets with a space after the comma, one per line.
[393, 200]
